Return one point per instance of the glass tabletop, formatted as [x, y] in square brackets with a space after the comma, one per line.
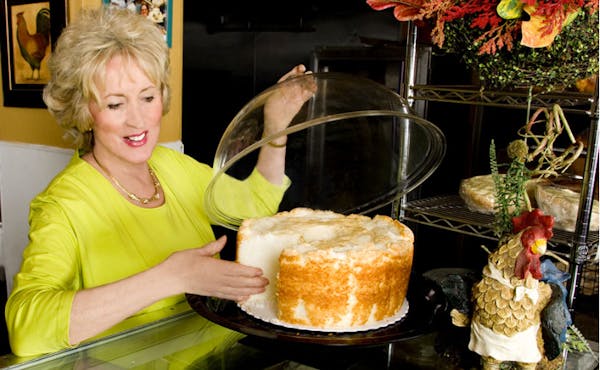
[142, 347]
[175, 339]
[170, 344]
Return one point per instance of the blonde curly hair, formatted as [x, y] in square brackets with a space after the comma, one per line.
[78, 63]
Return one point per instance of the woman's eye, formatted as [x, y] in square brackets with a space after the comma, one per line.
[114, 106]
[149, 99]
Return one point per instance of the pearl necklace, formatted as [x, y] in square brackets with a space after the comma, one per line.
[155, 196]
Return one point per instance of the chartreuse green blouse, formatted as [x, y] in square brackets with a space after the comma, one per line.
[83, 234]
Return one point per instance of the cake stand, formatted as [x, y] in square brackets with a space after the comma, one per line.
[420, 319]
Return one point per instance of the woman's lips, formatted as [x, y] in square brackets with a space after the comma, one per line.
[137, 140]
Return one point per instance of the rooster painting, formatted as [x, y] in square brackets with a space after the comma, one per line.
[509, 300]
[33, 46]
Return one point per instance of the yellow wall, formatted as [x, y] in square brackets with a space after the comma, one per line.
[36, 126]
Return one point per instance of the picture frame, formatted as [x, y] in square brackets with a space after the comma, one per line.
[159, 11]
[29, 31]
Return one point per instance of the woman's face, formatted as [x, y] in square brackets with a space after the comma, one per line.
[127, 118]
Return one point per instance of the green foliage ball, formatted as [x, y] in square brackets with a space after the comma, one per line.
[572, 56]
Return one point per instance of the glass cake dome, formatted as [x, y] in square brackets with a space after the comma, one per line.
[353, 147]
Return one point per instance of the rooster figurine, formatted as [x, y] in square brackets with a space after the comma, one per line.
[33, 46]
[509, 299]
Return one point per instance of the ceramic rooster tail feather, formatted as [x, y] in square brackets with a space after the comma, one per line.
[556, 317]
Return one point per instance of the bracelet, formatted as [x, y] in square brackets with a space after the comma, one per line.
[272, 144]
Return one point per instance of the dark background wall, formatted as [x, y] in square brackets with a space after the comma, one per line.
[232, 52]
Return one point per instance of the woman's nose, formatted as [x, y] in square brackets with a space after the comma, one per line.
[135, 116]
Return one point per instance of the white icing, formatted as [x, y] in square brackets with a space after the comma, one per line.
[300, 311]
[263, 251]
[372, 318]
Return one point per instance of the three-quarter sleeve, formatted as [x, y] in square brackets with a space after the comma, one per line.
[38, 309]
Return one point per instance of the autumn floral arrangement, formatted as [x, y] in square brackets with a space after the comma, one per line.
[547, 44]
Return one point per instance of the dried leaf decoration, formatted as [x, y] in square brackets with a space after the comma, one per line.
[541, 30]
[508, 51]
[404, 10]
[500, 20]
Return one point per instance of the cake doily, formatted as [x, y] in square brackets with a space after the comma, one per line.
[266, 310]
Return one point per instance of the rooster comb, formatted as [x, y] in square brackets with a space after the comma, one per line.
[533, 218]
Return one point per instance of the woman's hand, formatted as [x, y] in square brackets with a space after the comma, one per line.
[195, 271]
[199, 272]
[285, 102]
[279, 111]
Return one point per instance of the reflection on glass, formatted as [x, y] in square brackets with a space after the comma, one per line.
[355, 146]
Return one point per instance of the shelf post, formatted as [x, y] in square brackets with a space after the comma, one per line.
[410, 68]
[410, 62]
[579, 248]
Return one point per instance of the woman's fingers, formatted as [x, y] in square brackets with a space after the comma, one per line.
[241, 280]
[299, 69]
[215, 247]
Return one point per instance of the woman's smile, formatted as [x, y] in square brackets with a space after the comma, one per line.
[137, 140]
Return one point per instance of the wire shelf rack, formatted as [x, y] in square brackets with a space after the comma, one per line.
[450, 212]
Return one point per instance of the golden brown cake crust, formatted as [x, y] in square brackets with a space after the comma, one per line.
[333, 271]
[334, 293]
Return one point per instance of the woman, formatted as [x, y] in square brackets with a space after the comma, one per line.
[115, 238]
